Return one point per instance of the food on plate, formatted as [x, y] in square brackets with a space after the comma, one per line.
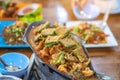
[13, 34]
[8, 10]
[58, 47]
[90, 33]
[28, 9]
[30, 13]
[31, 17]
[21, 11]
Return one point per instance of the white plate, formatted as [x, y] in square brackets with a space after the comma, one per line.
[111, 41]
[33, 6]
[91, 10]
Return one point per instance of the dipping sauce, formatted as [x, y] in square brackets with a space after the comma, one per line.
[12, 68]
[27, 10]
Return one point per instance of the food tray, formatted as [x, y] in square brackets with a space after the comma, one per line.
[3, 44]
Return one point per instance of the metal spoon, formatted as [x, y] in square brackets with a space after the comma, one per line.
[105, 18]
[9, 67]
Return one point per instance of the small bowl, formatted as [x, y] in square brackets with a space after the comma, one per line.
[15, 59]
[9, 77]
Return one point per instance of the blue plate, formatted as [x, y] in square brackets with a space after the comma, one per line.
[3, 44]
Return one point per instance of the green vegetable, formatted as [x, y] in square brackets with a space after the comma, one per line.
[62, 31]
[51, 40]
[97, 29]
[50, 44]
[37, 37]
[68, 43]
[75, 30]
[76, 69]
[58, 58]
[44, 26]
[76, 53]
[48, 32]
[21, 29]
[38, 18]
[25, 19]
[10, 40]
[61, 58]
[16, 34]
[5, 4]
[31, 17]
[14, 30]
[37, 12]
[86, 37]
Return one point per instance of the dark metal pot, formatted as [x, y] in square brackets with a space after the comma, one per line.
[47, 71]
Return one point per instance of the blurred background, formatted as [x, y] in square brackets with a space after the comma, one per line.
[105, 57]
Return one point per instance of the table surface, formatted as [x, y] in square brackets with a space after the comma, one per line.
[104, 60]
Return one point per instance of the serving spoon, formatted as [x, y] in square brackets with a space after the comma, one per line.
[105, 18]
[9, 67]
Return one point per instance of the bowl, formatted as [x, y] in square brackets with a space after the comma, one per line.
[15, 59]
[9, 77]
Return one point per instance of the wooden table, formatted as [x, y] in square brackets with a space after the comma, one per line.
[104, 60]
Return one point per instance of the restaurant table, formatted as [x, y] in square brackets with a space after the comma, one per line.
[104, 60]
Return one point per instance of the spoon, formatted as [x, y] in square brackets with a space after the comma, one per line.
[9, 67]
[106, 16]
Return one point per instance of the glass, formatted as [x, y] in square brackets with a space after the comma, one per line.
[84, 9]
[79, 3]
[102, 4]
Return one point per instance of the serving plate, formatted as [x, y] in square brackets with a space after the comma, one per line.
[3, 44]
[111, 41]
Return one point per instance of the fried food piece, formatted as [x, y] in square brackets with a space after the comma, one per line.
[44, 52]
[87, 72]
[62, 68]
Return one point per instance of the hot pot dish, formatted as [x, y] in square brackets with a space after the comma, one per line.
[58, 47]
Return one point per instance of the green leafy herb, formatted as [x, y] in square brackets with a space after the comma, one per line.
[31, 17]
